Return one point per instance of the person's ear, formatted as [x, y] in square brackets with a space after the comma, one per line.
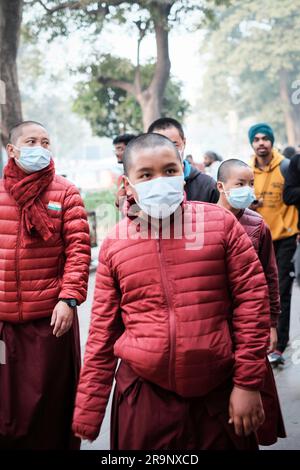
[220, 186]
[127, 186]
[11, 151]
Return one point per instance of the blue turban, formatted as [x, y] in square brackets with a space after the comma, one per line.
[261, 128]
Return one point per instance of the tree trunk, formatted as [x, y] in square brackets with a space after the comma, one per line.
[151, 108]
[287, 108]
[151, 99]
[10, 26]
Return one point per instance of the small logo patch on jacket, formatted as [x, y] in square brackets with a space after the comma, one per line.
[55, 206]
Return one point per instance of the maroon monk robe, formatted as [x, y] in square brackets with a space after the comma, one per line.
[273, 427]
[37, 386]
[260, 235]
[148, 417]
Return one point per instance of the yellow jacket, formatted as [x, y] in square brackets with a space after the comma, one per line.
[268, 185]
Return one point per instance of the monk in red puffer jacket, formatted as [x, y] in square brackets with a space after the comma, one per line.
[187, 315]
[235, 174]
[44, 267]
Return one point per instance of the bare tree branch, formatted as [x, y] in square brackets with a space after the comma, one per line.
[72, 5]
[109, 81]
[76, 5]
[142, 27]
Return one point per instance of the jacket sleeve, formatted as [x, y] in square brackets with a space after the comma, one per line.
[212, 190]
[250, 303]
[214, 195]
[77, 247]
[267, 258]
[99, 362]
[291, 191]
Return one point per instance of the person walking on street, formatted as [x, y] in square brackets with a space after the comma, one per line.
[270, 169]
[198, 185]
[236, 188]
[44, 267]
[120, 143]
[291, 191]
[187, 315]
[212, 161]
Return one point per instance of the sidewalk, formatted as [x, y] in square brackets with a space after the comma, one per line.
[287, 379]
[288, 382]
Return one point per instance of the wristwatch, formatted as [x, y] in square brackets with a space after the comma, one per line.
[71, 302]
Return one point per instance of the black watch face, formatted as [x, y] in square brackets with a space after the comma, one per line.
[73, 303]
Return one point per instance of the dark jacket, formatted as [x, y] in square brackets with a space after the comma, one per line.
[291, 192]
[201, 187]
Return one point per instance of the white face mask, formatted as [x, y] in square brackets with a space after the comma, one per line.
[34, 158]
[161, 196]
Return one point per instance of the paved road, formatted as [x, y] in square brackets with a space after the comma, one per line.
[287, 379]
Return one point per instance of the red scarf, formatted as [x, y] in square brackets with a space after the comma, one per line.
[26, 191]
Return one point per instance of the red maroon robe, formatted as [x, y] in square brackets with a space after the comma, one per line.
[261, 238]
[147, 417]
[37, 386]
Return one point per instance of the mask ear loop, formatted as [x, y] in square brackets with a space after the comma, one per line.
[19, 150]
[224, 191]
[132, 185]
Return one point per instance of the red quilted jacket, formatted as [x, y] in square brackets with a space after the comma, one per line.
[33, 278]
[261, 237]
[185, 319]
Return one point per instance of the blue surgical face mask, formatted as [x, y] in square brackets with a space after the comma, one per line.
[161, 196]
[186, 169]
[240, 198]
[34, 158]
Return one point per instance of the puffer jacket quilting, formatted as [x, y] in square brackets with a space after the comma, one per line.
[192, 317]
[32, 278]
[261, 237]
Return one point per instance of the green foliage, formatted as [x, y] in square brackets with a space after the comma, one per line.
[110, 110]
[92, 200]
[62, 17]
[255, 41]
[107, 215]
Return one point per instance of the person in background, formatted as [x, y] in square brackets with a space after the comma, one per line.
[199, 166]
[236, 188]
[120, 143]
[198, 185]
[291, 193]
[212, 161]
[270, 169]
[289, 152]
[44, 269]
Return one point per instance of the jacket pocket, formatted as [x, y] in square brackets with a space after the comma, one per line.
[118, 345]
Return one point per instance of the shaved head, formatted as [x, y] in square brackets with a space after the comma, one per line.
[17, 130]
[226, 167]
[146, 141]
